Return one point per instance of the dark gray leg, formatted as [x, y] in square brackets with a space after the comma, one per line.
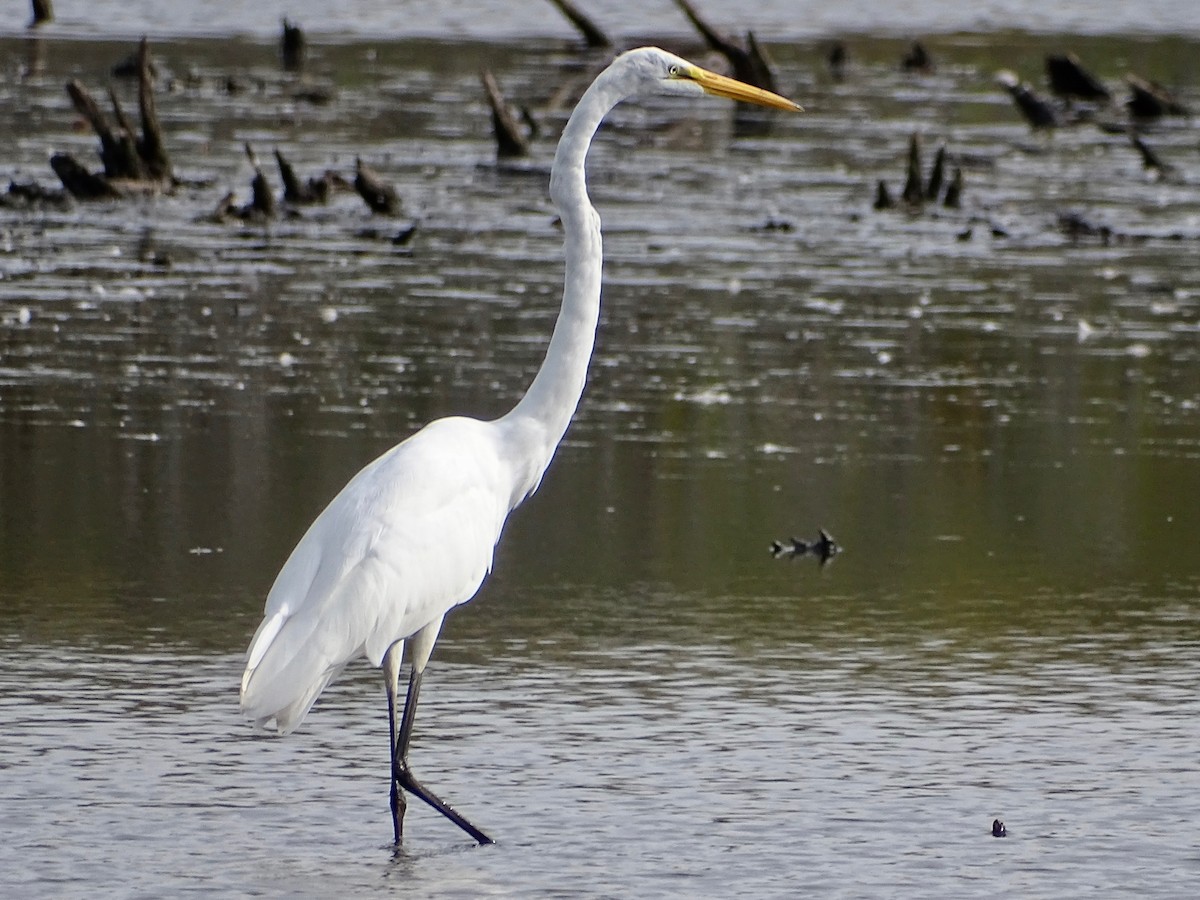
[402, 777]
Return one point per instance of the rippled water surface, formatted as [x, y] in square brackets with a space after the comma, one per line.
[995, 417]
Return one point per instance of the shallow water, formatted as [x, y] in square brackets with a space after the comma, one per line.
[998, 422]
[524, 19]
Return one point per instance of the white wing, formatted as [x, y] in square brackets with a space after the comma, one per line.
[409, 537]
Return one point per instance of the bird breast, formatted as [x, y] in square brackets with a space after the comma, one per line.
[409, 537]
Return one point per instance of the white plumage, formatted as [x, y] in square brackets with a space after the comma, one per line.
[408, 538]
[413, 534]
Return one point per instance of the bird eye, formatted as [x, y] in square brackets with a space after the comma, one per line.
[673, 71]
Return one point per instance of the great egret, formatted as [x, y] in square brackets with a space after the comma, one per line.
[412, 535]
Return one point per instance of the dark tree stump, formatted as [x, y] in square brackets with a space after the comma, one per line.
[124, 155]
[936, 175]
[380, 196]
[591, 32]
[914, 193]
[1150, 100]
[299, 193]
[749, 63]
[262, 200]
[953, 199]
[43, 12]
[79, 182]
[292, 47]
[1068, 78]
[510, 141]
[151, 149]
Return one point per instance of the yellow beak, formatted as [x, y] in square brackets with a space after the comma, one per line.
[720, 86]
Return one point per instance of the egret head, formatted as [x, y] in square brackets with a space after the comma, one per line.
[655, 71]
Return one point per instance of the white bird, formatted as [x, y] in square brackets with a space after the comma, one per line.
[412, 535]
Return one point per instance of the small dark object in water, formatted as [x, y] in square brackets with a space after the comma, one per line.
[591, 32]
[823, 548]
[315, 190]
[380, 196]
[315, 94]
[1068, 78]
[150, 147]
[836, 60]
[917, 191]
[749, 63]
[125, 156]
[1037, 112]
[30, 194]
[917, 59]
[913, 193]
[937, 174]
[1150, 100]
[1151, 162]
[405, 235]
[953, 199]
[998, 829]
[117, 150]
[262, 202]
[775, 223]
[1075, 226]
[226, 208]
[510, 142]
[79, 182]
[43, 12]
[131, 67]
[291, 47]
[883, 200]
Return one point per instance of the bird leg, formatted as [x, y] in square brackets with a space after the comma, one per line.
[396, 795]
[402, 776]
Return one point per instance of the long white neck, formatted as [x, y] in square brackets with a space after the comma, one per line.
[537, 423]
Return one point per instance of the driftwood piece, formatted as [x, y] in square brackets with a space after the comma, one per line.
[79, 182]
[151, 148]
[883, 198]
[126, 157]
[592, 33]
[129, 163]
[31, 194]
[953, 199]
[262, 200]
[836, 60]
[914, 192]
[1037, 111]
[297, 192]
[380, 196]
[917, 60]
[1068, 78]
[749, 63]
[1156, 168]
[110, 150]
[1150, 100]
[917, 190]
[43, 12]
[824, 548]
[1150, 159]
[510, 141]
[937, 174]
[292, 47]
